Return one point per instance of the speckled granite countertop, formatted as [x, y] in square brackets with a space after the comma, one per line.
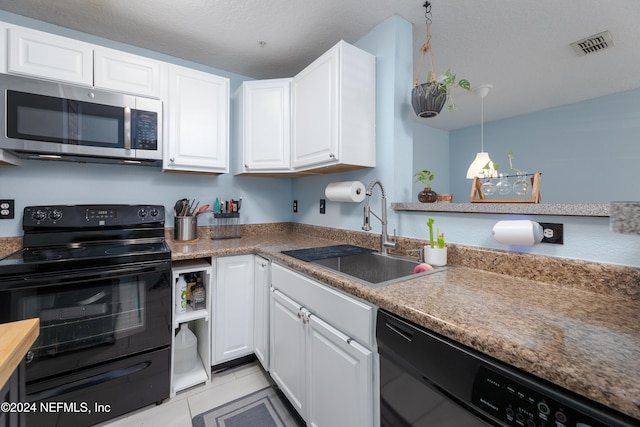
[583, 341]
[581, 332]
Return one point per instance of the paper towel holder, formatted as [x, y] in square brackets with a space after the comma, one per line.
[345, 191]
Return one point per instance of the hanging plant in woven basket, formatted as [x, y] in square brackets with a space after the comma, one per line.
[429, 98]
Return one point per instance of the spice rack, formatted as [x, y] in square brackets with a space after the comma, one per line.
[226, 226]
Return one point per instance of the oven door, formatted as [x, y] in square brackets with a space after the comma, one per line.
[91, 316]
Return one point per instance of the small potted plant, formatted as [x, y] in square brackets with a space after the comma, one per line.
[427, 195]
[435, 253]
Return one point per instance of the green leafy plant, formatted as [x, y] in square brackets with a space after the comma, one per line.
[425, 177]
[449, 82]
[486, 169]
[439, 235]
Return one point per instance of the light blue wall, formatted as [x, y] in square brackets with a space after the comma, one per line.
[404, 145]
[437, 150]
[41, 182]
[588, 152]
[431, 152]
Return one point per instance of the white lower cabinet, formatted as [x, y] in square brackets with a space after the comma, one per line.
[322, 351]
[340, 378]
[261, 311]
[288, 349]
[197, 321]
[233, 304]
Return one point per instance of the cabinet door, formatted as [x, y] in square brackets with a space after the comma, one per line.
[340, 379]
[261, 310]
[288, 341]
[123, 72]
[315, 112]
[47, 56]
[266, 123]
[233, 308]
[198, 122]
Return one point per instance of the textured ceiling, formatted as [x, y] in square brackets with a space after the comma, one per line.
[522, 48]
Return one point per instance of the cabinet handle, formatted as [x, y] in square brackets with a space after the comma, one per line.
[332, 156]
[172, 159]
[246, 166]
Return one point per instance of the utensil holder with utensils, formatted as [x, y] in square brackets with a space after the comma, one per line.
[186, 228]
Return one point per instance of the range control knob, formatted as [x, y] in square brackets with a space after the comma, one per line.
[154, 212]
[142, 213]
[39, 215]
[55, 214]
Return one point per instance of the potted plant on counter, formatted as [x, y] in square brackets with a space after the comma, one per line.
[435, 253]
[427, 195]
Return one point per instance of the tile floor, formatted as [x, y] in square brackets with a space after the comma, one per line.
[178, 411]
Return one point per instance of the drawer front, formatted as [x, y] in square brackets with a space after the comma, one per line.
[349, 315]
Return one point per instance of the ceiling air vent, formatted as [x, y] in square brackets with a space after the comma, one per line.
[593, 43]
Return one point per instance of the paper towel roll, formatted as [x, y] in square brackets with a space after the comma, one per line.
[518, 232]
[347, 191]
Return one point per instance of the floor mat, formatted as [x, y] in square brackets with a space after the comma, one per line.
[263, 408]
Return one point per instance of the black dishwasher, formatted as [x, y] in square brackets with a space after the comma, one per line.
[429, 380]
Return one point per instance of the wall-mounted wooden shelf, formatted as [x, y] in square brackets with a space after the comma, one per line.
[552, 209]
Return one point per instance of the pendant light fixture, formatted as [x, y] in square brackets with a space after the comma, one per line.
[482, 158]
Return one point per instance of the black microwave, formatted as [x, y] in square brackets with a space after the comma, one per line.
[47, 120]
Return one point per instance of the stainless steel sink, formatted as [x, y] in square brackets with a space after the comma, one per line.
[374, 269]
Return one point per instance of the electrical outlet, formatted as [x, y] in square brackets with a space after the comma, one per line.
[322, 206]
[295, 206]
[7, 209]
[552, 233]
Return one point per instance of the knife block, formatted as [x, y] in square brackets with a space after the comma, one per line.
[226, 226]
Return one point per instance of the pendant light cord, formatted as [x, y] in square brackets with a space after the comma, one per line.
[482, 123]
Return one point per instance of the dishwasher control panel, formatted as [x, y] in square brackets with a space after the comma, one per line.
[516, 404]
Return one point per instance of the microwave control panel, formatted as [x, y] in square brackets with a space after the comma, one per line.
[144, 130]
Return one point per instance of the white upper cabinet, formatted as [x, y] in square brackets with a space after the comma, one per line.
[264, 111]
[124, 72]
[321, 121]
[48, 56]
[197, 124]
[334, 106]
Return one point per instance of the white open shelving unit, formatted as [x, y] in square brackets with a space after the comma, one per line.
[199, 323]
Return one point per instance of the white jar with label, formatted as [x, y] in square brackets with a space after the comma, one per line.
[181, 295]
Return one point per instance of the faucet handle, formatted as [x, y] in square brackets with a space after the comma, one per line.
[420, 253]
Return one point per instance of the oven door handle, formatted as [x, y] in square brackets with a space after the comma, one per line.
[86, 382]
[62, 279]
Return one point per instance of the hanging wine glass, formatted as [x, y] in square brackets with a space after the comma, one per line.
[521, 187]
[503, 186]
